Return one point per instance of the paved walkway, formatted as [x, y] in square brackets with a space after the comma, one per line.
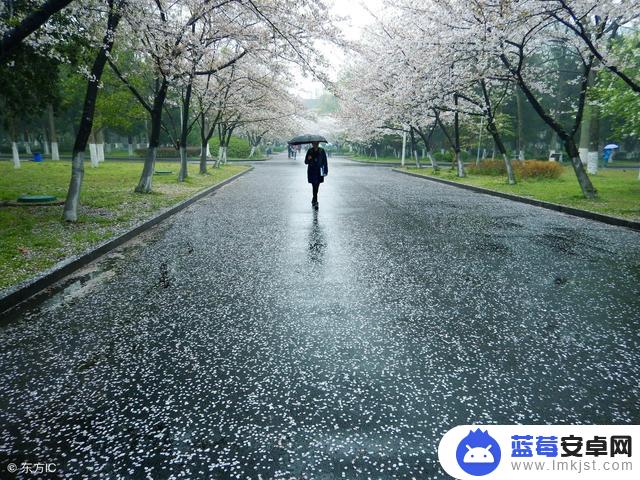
[249, 337]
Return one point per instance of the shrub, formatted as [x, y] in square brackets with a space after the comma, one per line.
[493, 168]
[238, 147]
[169, 152]
[447, 156]
[537, 169]
[526, 169]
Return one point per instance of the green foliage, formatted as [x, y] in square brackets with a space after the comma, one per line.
[447, 156]
[616, 100]
[238, 147]
[328, 103]
[116, 106]
[26, 86]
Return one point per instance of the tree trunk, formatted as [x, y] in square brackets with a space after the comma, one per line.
[220, 155]
[45, 142]
[15, 154]
[93, 150]
[130, 146]
[413, 147]
[146, 178]
[493, 130]
[27, 144]
[426, 139]
[86, 121]
[583, 179]
[520, 113]
[53, 136]
[590, 132]
[184, 133]
[553, 145]
[184, 165]
[203, 158]
[100, 145]
[456, 127]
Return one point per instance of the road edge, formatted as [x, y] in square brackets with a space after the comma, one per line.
[576, 212]
[28, 288]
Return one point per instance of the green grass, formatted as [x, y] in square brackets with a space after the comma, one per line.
[33, 239]
[618, 190]
[367, 159]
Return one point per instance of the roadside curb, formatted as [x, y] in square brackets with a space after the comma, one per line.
[576, 212]
[25, 290]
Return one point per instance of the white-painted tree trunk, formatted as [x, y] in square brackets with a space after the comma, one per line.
[93, 152]
[224, 154]
[584, 155]
[45, 145]
[130, 149]
[434, 164]
[146, 180]
[15, 155]
[100, 151]
[510, 176]
[73, 195]
[209, 151]
[404, 147]
[27, 148]
[219, 159]
[184, 166]
[460, 165]
[253, 150]
[55, 152]
[592, 163]
[521, 155]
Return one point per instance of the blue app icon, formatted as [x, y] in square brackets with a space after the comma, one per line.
[478, 453]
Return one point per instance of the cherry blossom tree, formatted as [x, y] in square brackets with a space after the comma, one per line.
[113, 16]
[14, 34]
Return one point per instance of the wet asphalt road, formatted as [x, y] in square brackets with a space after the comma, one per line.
[249, 337]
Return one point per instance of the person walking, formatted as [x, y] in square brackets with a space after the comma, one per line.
[317, 169]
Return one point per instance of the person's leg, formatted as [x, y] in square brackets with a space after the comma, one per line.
[315, 192]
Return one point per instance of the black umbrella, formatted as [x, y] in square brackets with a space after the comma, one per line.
[307, 138]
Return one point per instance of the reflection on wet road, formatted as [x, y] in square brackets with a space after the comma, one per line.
[317, 241]
[252, 337]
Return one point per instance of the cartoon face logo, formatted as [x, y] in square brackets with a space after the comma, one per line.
[478, 453]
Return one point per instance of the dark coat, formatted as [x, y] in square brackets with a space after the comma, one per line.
[315, 160]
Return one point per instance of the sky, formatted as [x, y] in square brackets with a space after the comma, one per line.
[356, 18]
